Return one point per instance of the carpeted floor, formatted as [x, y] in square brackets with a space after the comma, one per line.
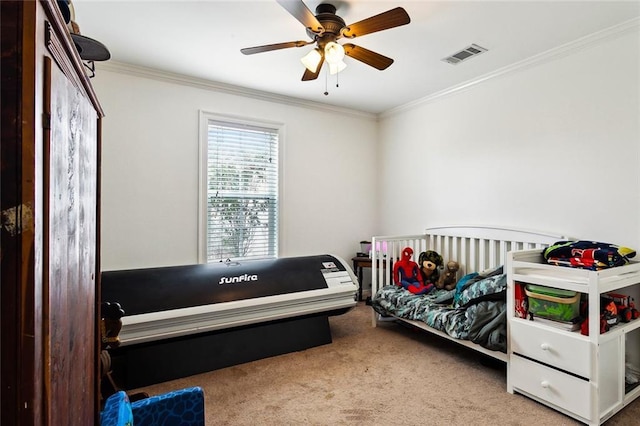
[387, 375]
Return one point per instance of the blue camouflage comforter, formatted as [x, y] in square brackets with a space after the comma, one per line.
[475, 310]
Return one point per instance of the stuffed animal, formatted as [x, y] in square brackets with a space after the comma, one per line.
[406, 273]
[449, 277]
[430, 264]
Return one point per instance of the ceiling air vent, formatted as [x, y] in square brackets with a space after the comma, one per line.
[464, 54]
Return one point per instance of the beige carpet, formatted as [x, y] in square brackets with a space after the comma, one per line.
[388, 375]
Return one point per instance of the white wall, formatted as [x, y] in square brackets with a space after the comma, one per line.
[150, 171]
[554, 147]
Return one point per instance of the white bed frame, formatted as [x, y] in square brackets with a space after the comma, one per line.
[475, 248]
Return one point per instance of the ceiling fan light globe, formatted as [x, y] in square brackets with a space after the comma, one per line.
[311, 60]
[333, 52]
[336, 68]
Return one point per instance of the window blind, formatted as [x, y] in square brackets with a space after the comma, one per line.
[242, 191]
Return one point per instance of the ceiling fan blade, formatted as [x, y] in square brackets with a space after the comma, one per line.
[302, 13]
[309, 75]
[389, 19]
[367, 56]
[276, 46]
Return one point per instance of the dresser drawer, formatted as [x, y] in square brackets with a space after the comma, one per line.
[566, 351]
[560, 389]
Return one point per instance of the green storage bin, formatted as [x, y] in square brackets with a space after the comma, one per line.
[553, 303]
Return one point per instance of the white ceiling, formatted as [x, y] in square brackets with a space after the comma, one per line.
[203, 39]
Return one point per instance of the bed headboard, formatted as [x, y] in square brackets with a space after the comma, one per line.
[475, 248]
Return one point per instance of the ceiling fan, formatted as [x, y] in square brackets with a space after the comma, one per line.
[325, 28]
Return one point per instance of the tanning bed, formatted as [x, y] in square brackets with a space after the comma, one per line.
[168, 302]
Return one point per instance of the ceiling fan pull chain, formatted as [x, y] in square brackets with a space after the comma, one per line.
[326, 84]
[337, 79]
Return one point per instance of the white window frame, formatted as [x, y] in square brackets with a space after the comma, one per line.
[204, 118]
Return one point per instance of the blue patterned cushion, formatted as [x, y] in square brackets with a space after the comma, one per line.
[182, 407]
[117, 411]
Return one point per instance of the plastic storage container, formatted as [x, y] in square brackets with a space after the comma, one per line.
[553, 303]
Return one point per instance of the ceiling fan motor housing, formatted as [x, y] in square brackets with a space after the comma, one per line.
[332, 23]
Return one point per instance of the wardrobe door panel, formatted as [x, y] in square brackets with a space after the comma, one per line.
[70, 246]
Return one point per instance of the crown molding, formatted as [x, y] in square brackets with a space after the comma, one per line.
[200, 83]
[552, 54]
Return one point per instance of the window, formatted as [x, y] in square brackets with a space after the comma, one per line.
[239, 204]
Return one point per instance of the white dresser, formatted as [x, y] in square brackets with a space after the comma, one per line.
[580, 376]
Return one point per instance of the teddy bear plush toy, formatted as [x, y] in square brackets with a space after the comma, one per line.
[449, 277]
[430, 264]
[406, 273]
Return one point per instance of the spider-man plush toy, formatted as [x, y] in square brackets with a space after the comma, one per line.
[406, 273]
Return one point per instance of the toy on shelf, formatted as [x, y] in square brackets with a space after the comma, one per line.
[625, 309]
[604, 326]
[616, 308]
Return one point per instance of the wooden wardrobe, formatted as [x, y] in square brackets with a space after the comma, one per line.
[49, 199]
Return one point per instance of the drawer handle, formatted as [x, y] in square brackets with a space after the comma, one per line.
[544, 384]
[545, 346]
